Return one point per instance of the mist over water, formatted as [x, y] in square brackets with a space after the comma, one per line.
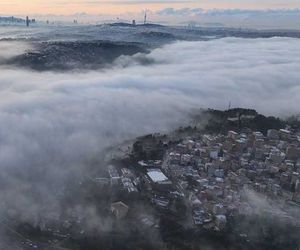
[52, 123]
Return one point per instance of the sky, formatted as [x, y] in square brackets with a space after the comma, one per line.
[68, 7]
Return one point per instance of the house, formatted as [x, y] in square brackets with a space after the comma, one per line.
[119, 209]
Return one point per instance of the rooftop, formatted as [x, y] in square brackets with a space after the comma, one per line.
[157, 175]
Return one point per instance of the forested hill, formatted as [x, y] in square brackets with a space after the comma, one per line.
[218, 121]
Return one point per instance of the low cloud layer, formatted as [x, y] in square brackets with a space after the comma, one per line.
[12, 49]
[244, 18]
[256, 73]
[53, 123]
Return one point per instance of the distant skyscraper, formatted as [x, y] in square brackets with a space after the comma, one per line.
[133, 22]
[27, 21]
[145, 18]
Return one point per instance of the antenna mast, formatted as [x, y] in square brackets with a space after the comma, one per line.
[145, 18]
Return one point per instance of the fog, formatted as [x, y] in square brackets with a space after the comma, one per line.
[52, 124]
[255, 73]
[12, 48]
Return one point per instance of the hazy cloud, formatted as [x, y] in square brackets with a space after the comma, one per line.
[251, 18]
[52, 124]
